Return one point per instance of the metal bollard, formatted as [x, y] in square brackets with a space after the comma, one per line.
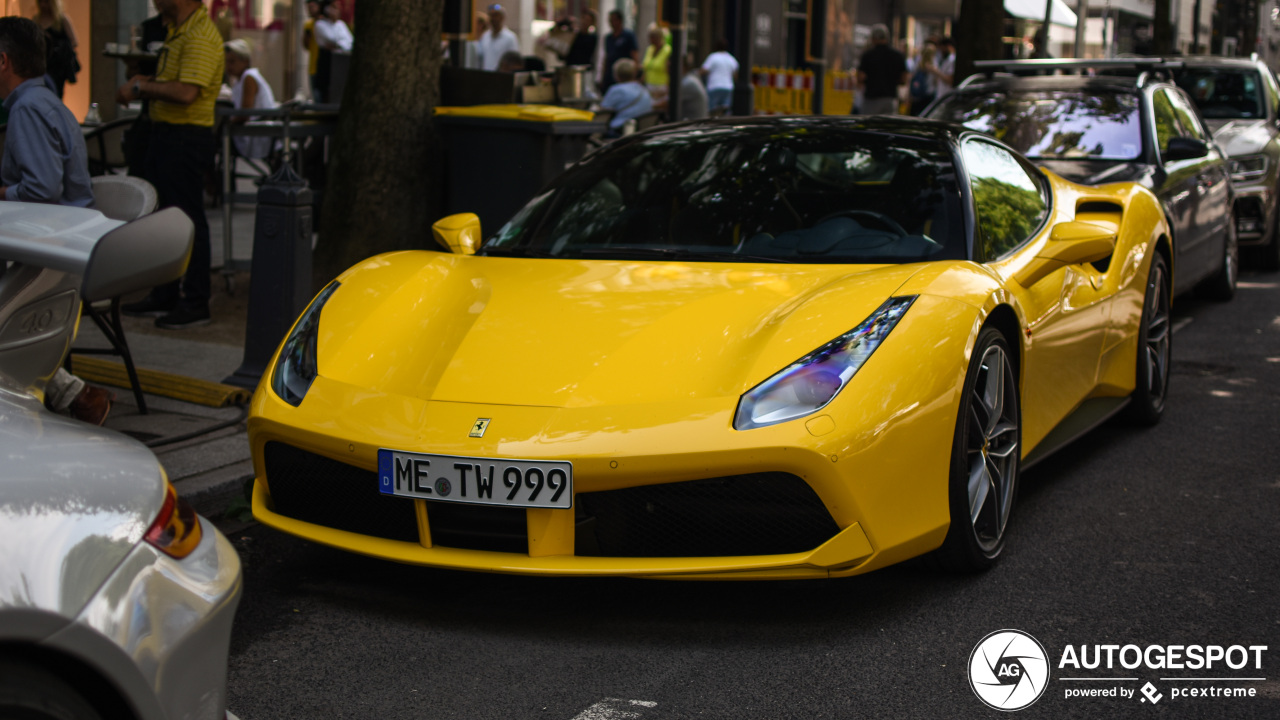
[280, 272]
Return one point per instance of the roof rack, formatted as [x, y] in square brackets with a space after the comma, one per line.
[1076, 64]
[1149, 68]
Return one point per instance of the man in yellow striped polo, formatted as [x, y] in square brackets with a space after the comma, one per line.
[181, 96]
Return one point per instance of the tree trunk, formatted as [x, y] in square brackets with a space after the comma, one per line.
[978, 34]
[1162, 30]
[384, 182]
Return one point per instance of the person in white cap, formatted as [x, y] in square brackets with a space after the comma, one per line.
[498, 41]
[248, 90]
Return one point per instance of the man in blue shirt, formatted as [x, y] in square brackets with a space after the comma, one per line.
[619, 44]
[44, 154]
[44, 162]
[626, 98]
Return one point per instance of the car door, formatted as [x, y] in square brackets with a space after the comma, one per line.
[1211, 206]
[1176, 188]
[1066, 311]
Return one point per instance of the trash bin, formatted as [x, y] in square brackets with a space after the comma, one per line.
[499, 156]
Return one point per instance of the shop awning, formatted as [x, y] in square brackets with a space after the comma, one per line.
[1034, 10]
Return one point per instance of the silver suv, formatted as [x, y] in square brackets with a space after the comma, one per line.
[1239, 99]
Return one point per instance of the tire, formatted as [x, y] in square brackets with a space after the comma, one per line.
[1222, 286]
[29, 692]
[985, 454]
[1155, 348]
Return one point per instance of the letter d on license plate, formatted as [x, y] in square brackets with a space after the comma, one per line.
[482, 481]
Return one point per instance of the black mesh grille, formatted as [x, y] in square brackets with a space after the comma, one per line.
[478, 527]
[759, 514]
[312, 488]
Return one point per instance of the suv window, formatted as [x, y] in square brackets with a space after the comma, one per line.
[1224, 92]
[1009, 202]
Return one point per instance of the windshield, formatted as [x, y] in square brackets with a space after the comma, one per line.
[1053, 124]
[753, 194]
[1221, 93]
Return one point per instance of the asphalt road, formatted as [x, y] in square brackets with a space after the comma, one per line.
[1163, 536]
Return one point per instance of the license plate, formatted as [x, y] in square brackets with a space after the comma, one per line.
[482, 481]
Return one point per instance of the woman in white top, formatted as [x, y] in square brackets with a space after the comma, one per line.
[719, 69]
[248, 90]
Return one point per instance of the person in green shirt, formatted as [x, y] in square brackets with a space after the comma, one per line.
[657, 56]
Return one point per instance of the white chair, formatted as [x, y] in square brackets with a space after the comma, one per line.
[123, 197]
[127, 198]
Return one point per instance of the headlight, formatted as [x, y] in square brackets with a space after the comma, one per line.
[296, 368]
[808, 384]
[1248, 167]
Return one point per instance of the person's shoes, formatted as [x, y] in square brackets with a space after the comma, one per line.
[185, 316]
[92, 405]
[148, 307]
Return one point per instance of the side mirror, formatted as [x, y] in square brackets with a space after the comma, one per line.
[1070, 243]
[459, 234]
[1185, 148]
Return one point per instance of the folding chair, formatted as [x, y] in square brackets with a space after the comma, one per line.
[119, 197]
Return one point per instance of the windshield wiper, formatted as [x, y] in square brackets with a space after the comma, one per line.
[509, 252]
[666, 253]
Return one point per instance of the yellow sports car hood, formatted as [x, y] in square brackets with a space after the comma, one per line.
[577, 333]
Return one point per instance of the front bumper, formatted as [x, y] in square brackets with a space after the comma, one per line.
[1254, 211]
[877, 458]
[160, 628]
[846, 550]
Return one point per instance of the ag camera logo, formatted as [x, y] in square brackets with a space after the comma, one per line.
[1008, 670]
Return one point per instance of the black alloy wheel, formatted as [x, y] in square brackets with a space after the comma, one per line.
[985, 455]
[1155, 348]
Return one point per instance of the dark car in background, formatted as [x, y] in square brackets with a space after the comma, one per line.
[1099, 129]
[1239, 99]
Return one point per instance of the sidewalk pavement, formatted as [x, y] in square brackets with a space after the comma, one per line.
[211, 468]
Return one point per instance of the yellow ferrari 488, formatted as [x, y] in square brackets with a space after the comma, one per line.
[745, 348]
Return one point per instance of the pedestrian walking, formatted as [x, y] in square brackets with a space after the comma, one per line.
[181, 150]
[657, 56]
[619, 44]
[61, 63]
[582, 51]
[693, 94]
[945, 71]
[497, 41]
[881, 71]
[719, 70]
[924, 83]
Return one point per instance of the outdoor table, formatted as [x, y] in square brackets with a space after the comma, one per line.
[286, 123]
